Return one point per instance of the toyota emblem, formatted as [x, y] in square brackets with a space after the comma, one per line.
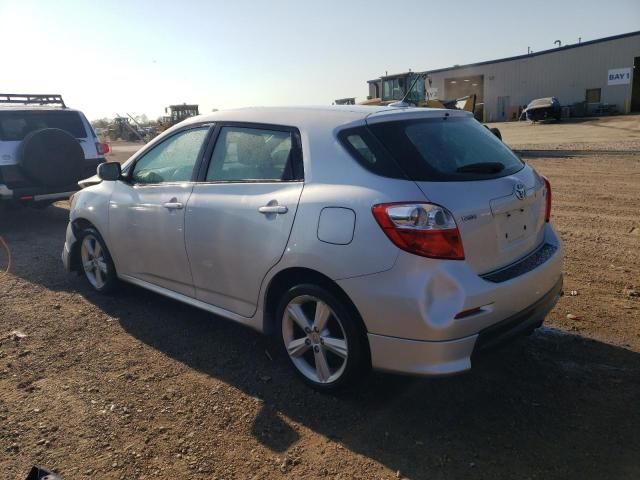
[521, 191]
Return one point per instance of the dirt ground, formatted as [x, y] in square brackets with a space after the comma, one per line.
[617, 133]
[121, 151]
[137, 386]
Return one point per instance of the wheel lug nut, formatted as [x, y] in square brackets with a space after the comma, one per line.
[322, 341]
[315, 329]
[316, 349]
[307, 341]
[307, 330]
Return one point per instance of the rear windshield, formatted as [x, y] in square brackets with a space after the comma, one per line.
[446, 149]
[15, 125]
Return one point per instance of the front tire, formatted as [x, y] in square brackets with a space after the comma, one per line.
[95, 261]
[323, 338]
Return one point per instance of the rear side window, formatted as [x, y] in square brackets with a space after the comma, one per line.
[446, 149]
[255, 154]
[15, 125]
[369, 153]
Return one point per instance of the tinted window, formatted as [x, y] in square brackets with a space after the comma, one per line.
[450, 149]
[369, 153]
[172, 160]
[252, 154]
[16, 125]
[358, 143]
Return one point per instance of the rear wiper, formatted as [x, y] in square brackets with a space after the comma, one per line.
[485, 167]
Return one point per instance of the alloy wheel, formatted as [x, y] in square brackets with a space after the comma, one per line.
[315, 339]
[94, 262]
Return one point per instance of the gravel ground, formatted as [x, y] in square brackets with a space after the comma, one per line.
[617, 133]
[138, 386]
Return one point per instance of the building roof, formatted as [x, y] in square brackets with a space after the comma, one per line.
[526, 55]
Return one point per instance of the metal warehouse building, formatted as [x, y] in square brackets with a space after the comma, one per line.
[592, 77]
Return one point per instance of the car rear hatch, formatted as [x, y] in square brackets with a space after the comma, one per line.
[498, 202]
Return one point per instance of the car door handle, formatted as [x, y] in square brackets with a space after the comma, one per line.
[173, 205]
[266, 209]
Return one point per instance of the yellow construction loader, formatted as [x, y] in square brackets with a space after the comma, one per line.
[467, 103]
[413, 97]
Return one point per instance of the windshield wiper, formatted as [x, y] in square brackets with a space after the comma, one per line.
[485, 167]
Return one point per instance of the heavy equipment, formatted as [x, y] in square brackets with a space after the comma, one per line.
[121, 129]
[416, 95]
[176, 114]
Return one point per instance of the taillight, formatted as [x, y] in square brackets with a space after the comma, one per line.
[103, 148]
[424, 229]
[547, 211]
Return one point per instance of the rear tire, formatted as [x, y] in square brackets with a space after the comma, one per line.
[321, 335]
[95, 261]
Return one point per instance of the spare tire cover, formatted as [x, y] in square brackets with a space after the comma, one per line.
[51, 157]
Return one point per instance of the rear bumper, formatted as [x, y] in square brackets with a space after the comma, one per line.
[449, 357]
[14, 186]
[27, 195]
[429, 317]
[441, 300]
[519, 324]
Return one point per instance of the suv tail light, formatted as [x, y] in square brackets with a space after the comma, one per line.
[424, 229]
[547, 212]
[103, 148]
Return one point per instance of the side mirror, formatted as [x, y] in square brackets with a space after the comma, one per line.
[109, 171]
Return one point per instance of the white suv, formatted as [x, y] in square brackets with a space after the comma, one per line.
[403, 239]
[45, 148]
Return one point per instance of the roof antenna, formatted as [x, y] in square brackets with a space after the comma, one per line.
[403, 102]
[558, 42]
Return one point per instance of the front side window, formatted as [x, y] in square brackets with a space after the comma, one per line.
[172, 160]
[254, 154]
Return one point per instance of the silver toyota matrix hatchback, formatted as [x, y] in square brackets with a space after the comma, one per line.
[404, 239]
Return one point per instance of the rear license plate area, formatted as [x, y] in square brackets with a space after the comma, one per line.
[515, 225]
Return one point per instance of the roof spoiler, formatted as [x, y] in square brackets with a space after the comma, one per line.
[32, 99]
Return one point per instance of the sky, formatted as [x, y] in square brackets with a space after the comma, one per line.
[115, 57]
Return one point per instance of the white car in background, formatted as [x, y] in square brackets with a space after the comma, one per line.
[403, 239]
[45, 149]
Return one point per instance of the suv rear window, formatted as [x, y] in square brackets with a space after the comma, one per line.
[15, 125]
[446, 149]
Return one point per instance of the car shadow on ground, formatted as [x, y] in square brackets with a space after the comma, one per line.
[561, 396]
[552, 405]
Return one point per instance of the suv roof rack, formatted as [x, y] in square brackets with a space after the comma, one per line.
[32, 99]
